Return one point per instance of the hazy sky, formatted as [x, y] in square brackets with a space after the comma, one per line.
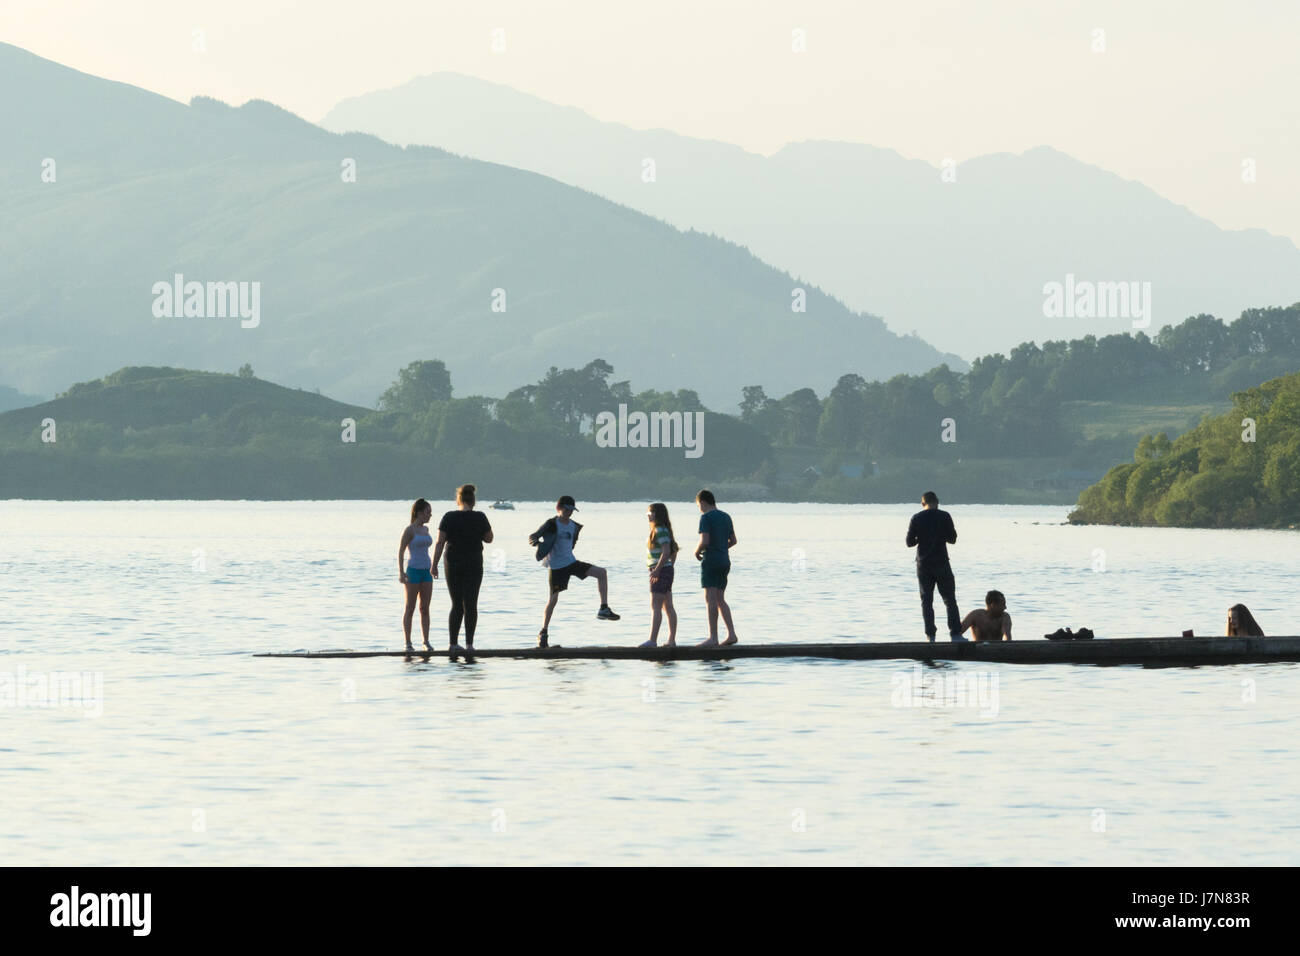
[1184, 92]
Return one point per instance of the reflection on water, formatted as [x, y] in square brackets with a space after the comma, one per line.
[204, 754]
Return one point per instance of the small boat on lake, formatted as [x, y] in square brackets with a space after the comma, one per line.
[502, 506]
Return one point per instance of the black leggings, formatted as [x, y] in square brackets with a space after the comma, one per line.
[463, 585]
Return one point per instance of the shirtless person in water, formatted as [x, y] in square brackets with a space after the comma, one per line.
[991, 622]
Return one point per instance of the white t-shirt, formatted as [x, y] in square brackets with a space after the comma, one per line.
[561, 555]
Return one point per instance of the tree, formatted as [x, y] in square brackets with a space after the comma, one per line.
[575, 396]
[802, 410]
[844, 415]
[1201, 343]
[246, 371]
[753, 400]
[463, 424]
[418, 386]
[1152, 447]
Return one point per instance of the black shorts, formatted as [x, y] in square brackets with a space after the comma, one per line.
[560, 576]
[665, 583]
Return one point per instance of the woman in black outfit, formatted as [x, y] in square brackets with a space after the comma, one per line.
[463, 533]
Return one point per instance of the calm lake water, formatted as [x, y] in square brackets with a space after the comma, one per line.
[203, 754]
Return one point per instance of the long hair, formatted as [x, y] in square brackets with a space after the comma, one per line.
[660, 520]
[465, 495]
[420, 505]
[1247, 626]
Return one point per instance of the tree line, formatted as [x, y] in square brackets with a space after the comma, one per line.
[1010, 405]
[1240, 469]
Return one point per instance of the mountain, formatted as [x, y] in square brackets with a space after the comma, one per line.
[12, 398]
[963, 263]
[346, 282]
[148, 432]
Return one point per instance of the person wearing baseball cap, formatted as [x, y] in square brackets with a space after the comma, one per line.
[555, 541]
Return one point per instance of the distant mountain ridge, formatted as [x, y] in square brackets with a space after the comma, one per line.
[963, 262]
[359, 278]
[12, 398]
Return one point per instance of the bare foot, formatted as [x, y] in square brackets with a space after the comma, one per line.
[672, 642]
[731, 639]
[711, 642]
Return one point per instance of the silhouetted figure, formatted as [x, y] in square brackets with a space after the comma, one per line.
[717, 538]
[930, 532]
[463, 533]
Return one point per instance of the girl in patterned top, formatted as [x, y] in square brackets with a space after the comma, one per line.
[661, 549]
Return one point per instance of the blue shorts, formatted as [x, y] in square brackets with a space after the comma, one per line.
[419, 576]
[714, 571]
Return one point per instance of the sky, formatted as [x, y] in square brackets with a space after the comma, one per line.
[1195, 98]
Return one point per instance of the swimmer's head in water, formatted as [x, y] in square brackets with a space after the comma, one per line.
[995, 602]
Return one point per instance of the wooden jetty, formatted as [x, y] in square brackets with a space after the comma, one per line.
[1148, 651]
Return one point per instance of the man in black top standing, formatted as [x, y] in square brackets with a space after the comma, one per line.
[930, 532]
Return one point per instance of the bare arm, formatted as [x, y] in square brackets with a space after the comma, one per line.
[437, 550]
[731, 541]
[1006, 627]
[401, 549]
[967, 621]
[704, 543]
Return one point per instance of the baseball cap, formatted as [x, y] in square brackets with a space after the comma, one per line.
[566, 501]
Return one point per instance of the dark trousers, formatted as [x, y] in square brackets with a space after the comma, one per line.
[463, 585]
[928, 577]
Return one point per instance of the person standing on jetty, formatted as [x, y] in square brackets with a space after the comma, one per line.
[463, 533]
[717, 538]
[661, 551]
[416, 578]
[930, 532]
[555, 541]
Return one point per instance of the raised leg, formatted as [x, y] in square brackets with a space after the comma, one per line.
[602, 582]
